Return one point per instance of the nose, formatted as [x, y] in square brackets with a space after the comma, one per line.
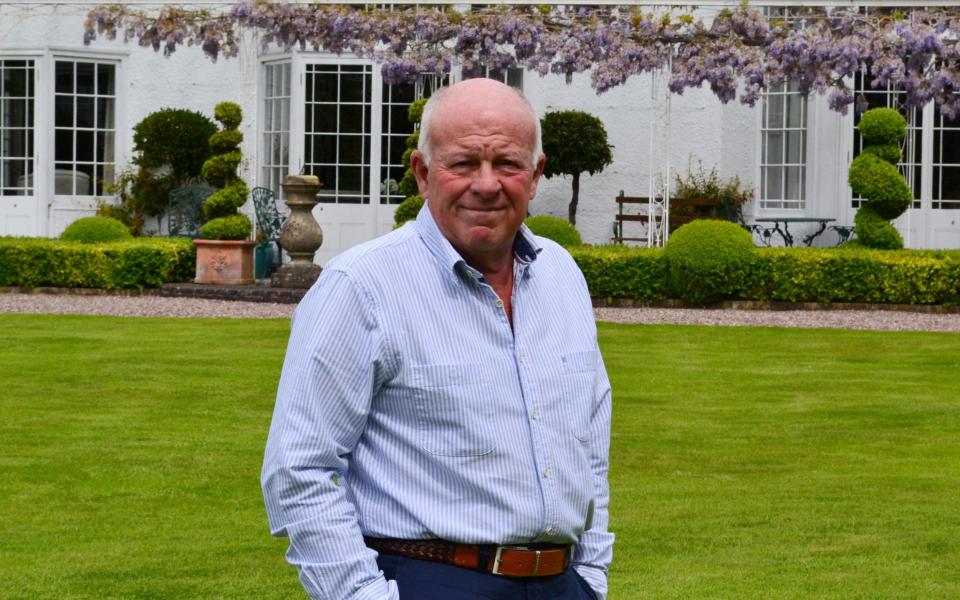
[485, 182]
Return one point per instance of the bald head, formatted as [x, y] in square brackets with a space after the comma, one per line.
[482, 98]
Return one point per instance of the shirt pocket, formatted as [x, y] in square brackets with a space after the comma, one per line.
[453, 409]
[579, 373]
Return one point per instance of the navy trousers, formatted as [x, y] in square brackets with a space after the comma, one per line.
[425, 580]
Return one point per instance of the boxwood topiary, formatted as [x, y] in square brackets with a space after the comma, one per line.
[220, 208]
[93, 230]
[174, 137]
[234, 227]
[709, 261]
[554, 228]
[882, 126]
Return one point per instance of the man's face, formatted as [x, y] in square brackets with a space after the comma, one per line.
[480, 178]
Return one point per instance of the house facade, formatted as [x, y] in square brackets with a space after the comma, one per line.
[67, 113]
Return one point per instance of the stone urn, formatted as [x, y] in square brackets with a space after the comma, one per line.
[225, 262]
[300, 234]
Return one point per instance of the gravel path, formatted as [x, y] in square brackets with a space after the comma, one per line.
[157, 306]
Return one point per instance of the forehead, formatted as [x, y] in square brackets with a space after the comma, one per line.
[472, 123]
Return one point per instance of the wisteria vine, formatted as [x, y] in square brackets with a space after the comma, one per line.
[733, 51]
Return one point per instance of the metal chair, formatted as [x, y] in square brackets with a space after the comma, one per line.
[269, 221]
[184, 214]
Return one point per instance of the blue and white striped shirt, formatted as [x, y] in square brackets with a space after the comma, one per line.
[408, 408]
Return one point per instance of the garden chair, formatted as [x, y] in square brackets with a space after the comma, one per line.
[184, 210]
[269, 221]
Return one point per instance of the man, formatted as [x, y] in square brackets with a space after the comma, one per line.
[442, 423]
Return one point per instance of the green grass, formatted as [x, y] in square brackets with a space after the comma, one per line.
[745, 462]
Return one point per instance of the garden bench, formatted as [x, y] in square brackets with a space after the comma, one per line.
[677, 218]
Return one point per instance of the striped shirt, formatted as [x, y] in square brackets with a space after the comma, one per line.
[408, 408]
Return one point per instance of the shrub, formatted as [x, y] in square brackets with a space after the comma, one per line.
[554, 228]
[135, 263]
[882, 126]
[174, 137]
[220, 208]
[709, 260]
[234, 227]
[700, 183]
[407, 210]
[93, 230]
[624, 272]
[574, 142]
[875, 232]
[881, 183]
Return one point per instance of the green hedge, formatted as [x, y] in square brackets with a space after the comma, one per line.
[789, 274]
[139, 263]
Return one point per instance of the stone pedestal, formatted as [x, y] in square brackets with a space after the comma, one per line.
[300, 234]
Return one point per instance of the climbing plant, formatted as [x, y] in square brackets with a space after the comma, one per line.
[874, 176]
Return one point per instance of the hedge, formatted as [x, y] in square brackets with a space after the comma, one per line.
[788, 274]
[139, 263]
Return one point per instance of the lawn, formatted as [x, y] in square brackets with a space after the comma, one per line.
[745, 462]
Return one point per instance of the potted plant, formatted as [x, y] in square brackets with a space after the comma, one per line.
[703, 194]
[225, 252]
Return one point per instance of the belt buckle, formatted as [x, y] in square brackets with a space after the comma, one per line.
[500, 549]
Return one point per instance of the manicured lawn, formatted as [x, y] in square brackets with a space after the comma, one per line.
[745, 462]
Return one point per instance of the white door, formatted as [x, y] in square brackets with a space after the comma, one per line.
[20, 208]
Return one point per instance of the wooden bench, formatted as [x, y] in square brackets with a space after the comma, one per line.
[676, 220]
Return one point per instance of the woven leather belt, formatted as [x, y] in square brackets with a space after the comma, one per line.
[509, 561]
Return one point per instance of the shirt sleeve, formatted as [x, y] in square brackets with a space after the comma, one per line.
[333, 367]
[594, 551]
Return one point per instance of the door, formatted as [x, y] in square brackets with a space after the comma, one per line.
[20, 210]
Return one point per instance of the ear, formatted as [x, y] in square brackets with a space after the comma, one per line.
[535, 180]
[420, 171]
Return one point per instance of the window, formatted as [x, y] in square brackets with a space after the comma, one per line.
[337, 130]
[276, 127]
[17, 95]
[84, 127]
[910, 164]
[783, 159]
[946, 162]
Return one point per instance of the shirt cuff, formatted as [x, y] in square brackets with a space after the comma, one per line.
[378, 589]
[596, 577]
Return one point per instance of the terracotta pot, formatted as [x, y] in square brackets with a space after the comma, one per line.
[225, 262]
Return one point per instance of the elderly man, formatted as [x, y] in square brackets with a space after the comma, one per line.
[443, 419]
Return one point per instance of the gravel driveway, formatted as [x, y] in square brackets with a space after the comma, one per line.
[157, 306]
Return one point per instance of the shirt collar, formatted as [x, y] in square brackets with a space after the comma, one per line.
[525, 247]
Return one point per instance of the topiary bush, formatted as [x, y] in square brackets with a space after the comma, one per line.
[574, 142]
[554, 228]
[709, 261]
[874, 176]
[94, 230]
[407, 210]
[220, 208]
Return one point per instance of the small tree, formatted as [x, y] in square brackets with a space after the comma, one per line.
[574, 142]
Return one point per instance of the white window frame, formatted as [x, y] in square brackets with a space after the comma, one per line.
[29, 189]
[776, 206]
[265, 163]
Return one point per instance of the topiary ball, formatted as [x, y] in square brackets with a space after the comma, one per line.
[407, 210]
[93, 230]
[882, 127]
[554, 228]
[881, 184]
[229, 114]
[709, 261]
[234, 227]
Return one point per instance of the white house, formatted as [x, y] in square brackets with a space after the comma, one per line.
[67, 113]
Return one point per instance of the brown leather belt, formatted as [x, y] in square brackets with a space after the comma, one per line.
[509, 561]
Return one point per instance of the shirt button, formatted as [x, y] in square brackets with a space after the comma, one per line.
[546, 473]
[520, 358]
[533, 415]
[499, 303]
[549, 531]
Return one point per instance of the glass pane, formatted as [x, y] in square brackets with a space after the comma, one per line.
[951, 146]
[105, 113]
[399, 122]
[351, 149]
[14, 174]
[328, 177]
[63, 179]
[795, 110]
[275, 150]
[63, 145]
[64, 77]
[794, 176]
[106, 76]
[350, 180]
[63, 111]
[515, 78]
[284, 149]
[773, 145]
[352, 119]
[285, 70]
[269, 75]
[324, 118]
[284, 114]
[324, 149]
[352, 88]
[268, 115]
[775, 111]
[404, 93]
[324, 88]
[795, 147]
[85, 77]
[276, 118]
[85, 177]
[15, 143]
[84, 146]
[15, 83]
[774, 183]
[15, 113]
[105, 146]
[84, 111]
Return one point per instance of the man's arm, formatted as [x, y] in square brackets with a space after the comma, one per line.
[332, 369]
[594, 551]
